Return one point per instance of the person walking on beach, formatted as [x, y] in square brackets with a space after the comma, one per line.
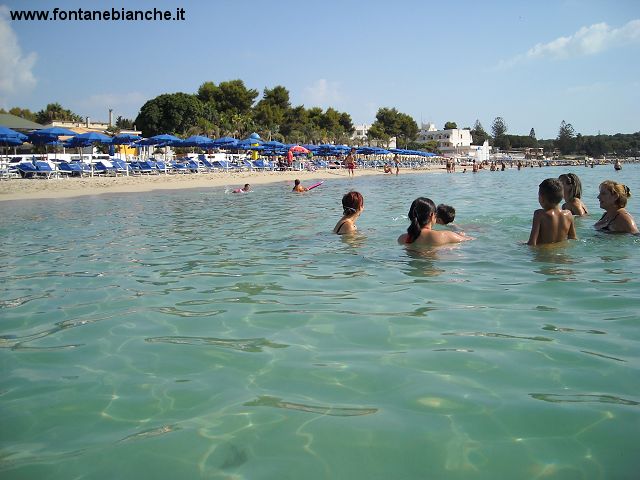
[350, 162]
[352, 206]
[613, 198]
[572, 192]
[550, 224]
[422, 215]
[297, 187]
[396, 160]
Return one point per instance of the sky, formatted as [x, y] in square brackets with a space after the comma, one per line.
[533, 63]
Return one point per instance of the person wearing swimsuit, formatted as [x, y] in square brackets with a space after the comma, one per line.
[352, 205]
[613, 199]
[420, 232]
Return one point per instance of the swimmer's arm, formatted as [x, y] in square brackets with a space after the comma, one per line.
[402, 239]
[535, 229]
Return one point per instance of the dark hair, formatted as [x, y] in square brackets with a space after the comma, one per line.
[352, 202]
[446, 213]
[575, 186]
[551, 190]
[420, 212]
[296, 181]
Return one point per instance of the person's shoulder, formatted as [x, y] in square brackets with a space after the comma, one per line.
[402, 239]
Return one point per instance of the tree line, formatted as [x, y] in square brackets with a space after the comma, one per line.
[230, 108]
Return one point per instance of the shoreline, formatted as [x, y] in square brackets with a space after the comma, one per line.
[41, 189]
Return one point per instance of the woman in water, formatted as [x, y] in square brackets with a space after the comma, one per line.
[352, 206]
[572, 191]
[613, 199]
[422, 215]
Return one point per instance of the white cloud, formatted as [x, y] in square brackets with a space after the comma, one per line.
[322, 94]
[16, 74]
[590, 40]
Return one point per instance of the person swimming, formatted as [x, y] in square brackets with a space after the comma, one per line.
[551, 224]
[297, 187]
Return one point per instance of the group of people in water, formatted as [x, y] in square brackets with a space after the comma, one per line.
[551, 223]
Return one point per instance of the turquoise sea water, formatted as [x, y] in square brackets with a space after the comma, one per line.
[200, 334]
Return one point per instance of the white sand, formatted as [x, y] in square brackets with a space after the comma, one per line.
[24, 189]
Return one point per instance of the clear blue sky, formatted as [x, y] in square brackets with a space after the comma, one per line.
[535, 63]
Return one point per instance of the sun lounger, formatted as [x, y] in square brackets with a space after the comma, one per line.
[105, 167]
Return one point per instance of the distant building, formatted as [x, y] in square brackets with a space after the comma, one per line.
[359, 136]
[453, 142]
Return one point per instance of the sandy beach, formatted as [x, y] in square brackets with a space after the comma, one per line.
[27, 189]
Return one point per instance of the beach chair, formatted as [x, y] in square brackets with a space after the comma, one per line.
[162, 167]
[179, 167]
[145, 167]
[193, 166]
[71, 169]
[120, 166]
[209, 166]
[27, 170]
[105, 167]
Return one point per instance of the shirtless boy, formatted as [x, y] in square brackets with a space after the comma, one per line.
[550, 223]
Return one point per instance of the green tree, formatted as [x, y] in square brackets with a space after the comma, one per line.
[565, 141]
[478, 134]
[23, 113]
[499, 129]
[407, 128]
[124, 123]
[207, 92]
[271, 110]
[532, 133]
[169, 113]
[450, 126]
[233, 97]
[55, 111]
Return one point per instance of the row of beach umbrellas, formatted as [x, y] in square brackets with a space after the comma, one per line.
[50, 136]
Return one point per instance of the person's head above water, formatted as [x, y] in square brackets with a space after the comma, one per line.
[572, 185]
[550, 190]
[352, 202]
[618, 190]
[421, 212]
[445, 214]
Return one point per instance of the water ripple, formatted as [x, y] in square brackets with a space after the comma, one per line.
[269, 401]
[581, 398]
[244, 344]
[497, 335]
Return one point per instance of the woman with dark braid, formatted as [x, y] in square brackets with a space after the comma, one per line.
[422, 215]
[352, 206]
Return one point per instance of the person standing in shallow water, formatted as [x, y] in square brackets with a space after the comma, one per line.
[613, 199]
[352, 206]
[551, 224]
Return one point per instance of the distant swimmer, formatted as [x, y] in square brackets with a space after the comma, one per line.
[550, 224]
[422, 215]
[352, 207]
[572, 192]
[617, 166]
[613, 198]
[298, 188]
[245, 189]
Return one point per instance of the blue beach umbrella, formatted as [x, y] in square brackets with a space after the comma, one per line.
[54, 132]
[198, 141]
[8, 134]
[92, 137]
[125, 139]
[225, 142]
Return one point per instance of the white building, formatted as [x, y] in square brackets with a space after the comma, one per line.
[453, 142]
[359, 136]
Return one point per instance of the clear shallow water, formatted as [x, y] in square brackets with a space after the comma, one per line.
[198, 334]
